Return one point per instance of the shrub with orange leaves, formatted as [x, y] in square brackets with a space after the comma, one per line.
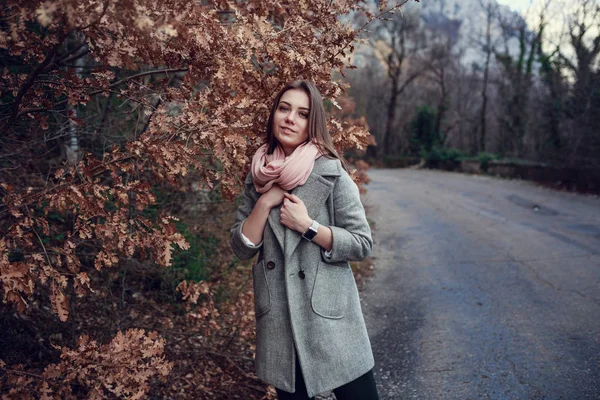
[121, 368]
[174, 88]
[103, 100]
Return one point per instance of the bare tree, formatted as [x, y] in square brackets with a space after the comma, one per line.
[398, 45]
[490, 8]
[552, 96]
[464, 115]
[586, 49]
[439, 61]
[582, 111]
[516, 85]
[368, 82]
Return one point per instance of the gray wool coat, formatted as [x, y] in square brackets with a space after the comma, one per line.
[304, 300]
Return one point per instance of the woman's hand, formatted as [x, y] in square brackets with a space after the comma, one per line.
[294, 214]
[273, 197]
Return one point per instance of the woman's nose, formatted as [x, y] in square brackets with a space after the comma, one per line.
[291, 117]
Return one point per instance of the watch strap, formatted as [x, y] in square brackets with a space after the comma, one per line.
[312, 230]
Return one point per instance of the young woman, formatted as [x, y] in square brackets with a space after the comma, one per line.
[302, 213]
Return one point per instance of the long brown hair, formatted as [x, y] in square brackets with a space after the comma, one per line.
[317, 121]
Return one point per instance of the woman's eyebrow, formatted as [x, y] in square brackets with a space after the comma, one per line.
[302, 108]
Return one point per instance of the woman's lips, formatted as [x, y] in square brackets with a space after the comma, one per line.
[287, 130]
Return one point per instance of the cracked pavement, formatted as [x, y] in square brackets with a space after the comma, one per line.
[484, 288]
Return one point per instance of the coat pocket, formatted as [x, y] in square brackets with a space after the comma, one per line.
[332, 289]
[262, 296]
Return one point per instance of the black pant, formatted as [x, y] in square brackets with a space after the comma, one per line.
[362, 388]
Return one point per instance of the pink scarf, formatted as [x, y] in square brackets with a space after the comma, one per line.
[287, 172]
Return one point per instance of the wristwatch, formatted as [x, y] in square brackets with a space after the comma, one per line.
[311, 232]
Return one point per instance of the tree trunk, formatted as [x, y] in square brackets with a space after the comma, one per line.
[72, 146]
[386, 142]
[441, 110]
[486, 71]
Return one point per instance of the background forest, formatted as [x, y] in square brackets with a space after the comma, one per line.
[126, 128]
[450, 79]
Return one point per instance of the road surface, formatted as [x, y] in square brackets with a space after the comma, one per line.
[484, 288]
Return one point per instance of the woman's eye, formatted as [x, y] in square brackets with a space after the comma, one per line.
[304, 115]
[283, 108]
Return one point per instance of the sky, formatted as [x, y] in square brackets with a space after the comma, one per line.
[557, 16]
[516, 5]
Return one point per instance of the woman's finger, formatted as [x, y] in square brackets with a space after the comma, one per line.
[293, 198]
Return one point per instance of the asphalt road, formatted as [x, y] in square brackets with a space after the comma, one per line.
[484, 288]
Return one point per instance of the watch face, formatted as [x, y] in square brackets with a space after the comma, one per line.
[309, 234]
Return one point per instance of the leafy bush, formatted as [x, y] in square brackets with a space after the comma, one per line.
[195, 263]
[101, 104]
[437, 154]
[395, 161]
[422, 127]
[485, 158]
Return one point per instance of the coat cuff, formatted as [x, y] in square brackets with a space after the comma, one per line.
[239, 245]
[247, 241]
[347, 246]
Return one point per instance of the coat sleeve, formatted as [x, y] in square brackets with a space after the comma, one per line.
[237, 242]
[352, 239]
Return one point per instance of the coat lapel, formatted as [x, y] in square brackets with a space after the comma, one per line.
[276, 227]
[273, 218]
[313, 193]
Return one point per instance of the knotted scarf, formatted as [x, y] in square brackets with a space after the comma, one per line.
[288, 172]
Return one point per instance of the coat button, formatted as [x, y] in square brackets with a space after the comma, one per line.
[301, 274]
[270, 265]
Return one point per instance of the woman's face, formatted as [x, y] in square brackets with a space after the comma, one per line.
[290, 122]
